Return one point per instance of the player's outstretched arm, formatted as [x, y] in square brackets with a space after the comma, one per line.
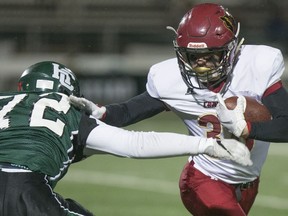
[133, 144]
[124, 113]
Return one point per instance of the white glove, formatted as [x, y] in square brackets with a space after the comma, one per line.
[229, 149]
[233, 120]
[88, 106]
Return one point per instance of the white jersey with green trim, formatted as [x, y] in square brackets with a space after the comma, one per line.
[258, 68]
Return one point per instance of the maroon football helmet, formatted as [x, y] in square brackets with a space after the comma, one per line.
[206, 30]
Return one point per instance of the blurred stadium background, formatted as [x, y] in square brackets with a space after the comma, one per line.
[110, 45]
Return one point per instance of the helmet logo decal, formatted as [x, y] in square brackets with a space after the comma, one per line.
[44, 84]
[64, 76]
[194, 45]
[228, 21]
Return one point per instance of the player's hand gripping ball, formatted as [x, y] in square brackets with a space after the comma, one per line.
[234, 112]
[254, 111]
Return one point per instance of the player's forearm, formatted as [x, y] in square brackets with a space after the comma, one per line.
[140, 107]
[108, 139]
[105, 138]
[275, 130]
[272, 131]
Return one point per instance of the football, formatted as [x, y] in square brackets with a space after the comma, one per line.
[254, 112]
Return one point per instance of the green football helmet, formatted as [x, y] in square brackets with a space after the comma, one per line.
[49, 76]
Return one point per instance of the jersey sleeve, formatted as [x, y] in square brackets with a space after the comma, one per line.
[86, 125]
[268, 67]
[277, 69]
[150, 85]
[275, 98]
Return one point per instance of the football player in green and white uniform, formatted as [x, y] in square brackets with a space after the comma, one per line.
[41, 134]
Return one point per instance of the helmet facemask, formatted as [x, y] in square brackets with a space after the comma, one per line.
[219, 65]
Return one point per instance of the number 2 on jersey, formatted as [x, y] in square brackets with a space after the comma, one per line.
[37, 116]
[211, 124]
[213, 128]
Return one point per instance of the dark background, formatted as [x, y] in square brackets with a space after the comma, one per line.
[110, 44]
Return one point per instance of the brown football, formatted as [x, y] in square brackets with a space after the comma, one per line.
[254, 111]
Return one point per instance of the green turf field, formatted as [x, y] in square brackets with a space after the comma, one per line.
[108, 185]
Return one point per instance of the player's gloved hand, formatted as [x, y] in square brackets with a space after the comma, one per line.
[88, 106]
[230, 149]
[233, 120]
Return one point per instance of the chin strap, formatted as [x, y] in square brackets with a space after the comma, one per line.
[238, 46]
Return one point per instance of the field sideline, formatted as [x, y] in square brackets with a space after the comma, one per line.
[109, 185]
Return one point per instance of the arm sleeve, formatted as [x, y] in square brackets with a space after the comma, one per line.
[131, 144]
[275, 130]
[138, 108]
